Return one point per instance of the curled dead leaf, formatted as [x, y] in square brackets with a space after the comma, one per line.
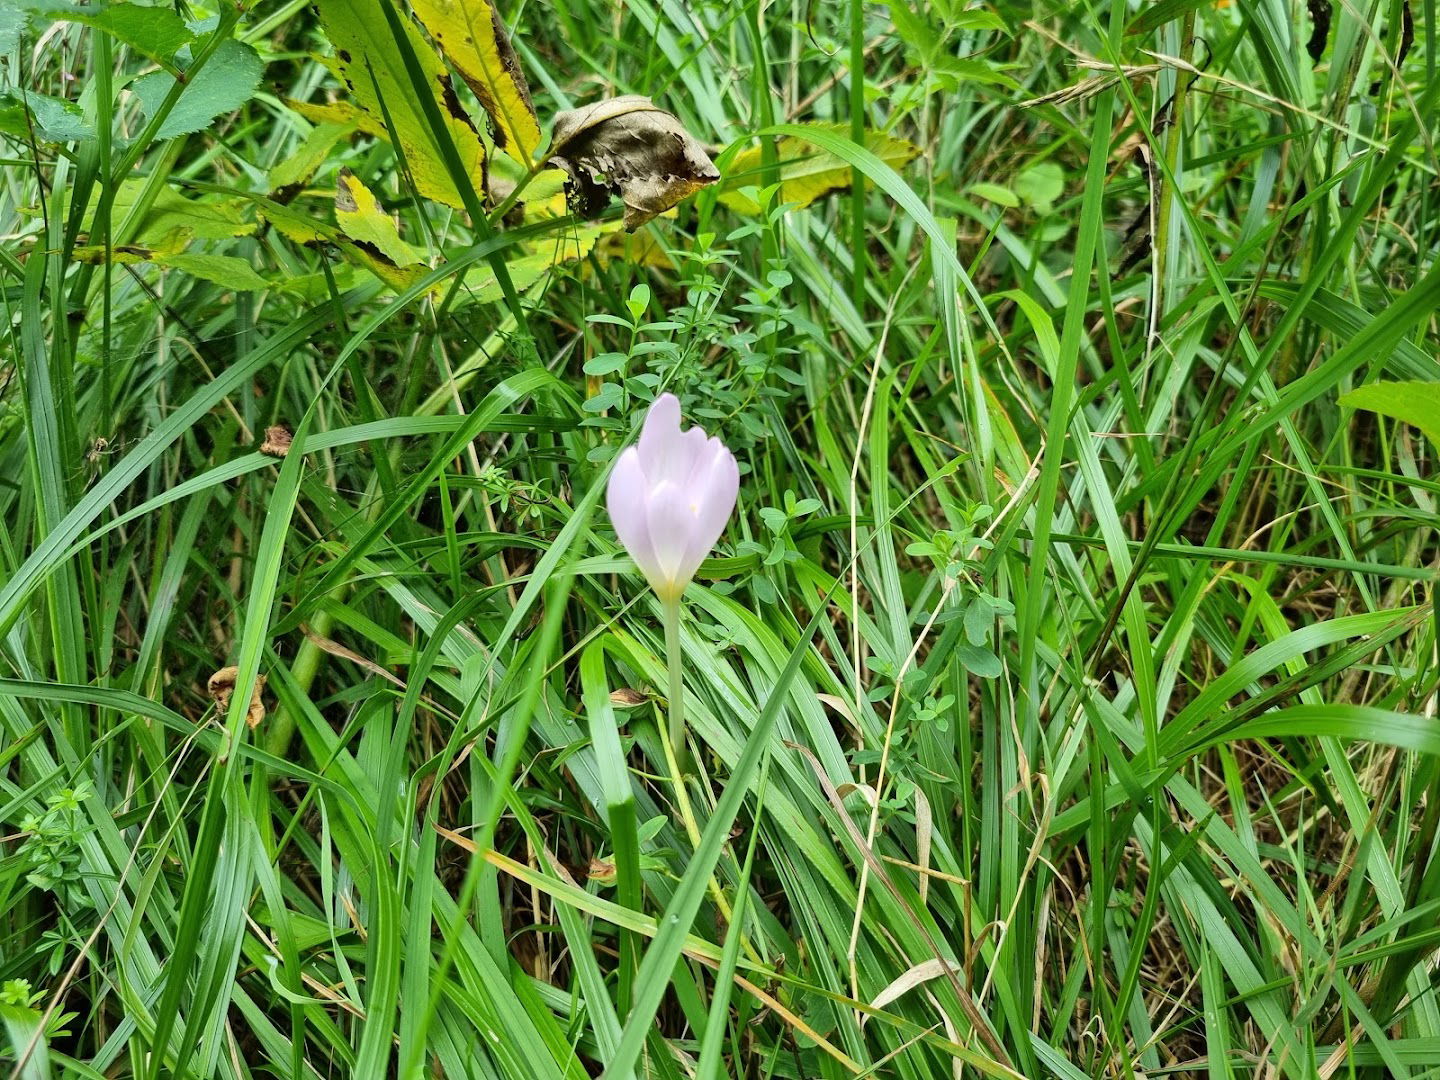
[630, 146]
[277, 442]
[626, 698]
[221, 687]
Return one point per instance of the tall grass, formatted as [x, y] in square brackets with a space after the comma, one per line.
[1062, 698]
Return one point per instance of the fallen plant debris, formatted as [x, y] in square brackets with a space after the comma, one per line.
[277, 441]
[631, 147]
[221, 688]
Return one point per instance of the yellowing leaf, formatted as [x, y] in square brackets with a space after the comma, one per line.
[156, 247]
[640, 248]
[300, 165]
[340, 113]
[299, 229]
[473, 38]
[362, 218]
[369, 60]
[806, 172]
[482, 288]
[398, 278]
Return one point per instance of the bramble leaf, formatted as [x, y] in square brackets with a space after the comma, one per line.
[225, 83]
[53, 120]
[154, 32]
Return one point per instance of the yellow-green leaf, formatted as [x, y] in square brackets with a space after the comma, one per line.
[806, 172]
[303, 230]
[339, 113]
[301, 164]
[370, 62]
[297, 227]
[364, 220]
[213, 219]
[154, 247]
[482, 288]
[225, 270]
[473, 38]
[1416, 403]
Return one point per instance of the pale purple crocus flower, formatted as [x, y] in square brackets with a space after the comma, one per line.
[670, 496]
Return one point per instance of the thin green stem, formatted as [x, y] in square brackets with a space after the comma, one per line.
[672, 742]
[676, 688]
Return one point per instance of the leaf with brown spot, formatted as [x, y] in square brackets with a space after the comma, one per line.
[370, 62]
[307, 232]
[632, 147]
[364, 220]
[221, 687]
[473, 38]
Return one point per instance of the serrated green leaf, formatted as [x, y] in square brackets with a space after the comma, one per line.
[13, 23]
[224, 84]
[154, 32]
[54, 120]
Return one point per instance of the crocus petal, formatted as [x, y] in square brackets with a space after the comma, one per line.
[712, 501]
[670, 496]
[626, 497]
[660, 443]
[671, 519]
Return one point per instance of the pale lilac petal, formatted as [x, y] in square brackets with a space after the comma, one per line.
[660, 440]
[670, 496]
[671, 520]
[626, 497]
[712, 501]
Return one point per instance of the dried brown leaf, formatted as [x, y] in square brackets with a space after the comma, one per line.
[632, 147]
[277, 442]
[221, 687]
[626, 698]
